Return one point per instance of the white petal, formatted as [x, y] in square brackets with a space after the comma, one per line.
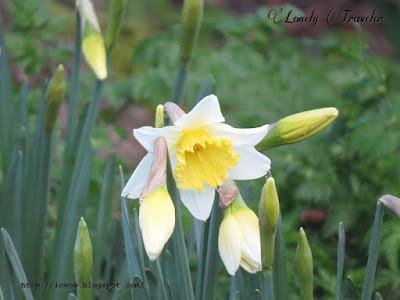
[146, 136]
[207, 111]
[230, 243]
[239, 136]
[252, 164]
[199, 204]
[251, 251]
[136, 183]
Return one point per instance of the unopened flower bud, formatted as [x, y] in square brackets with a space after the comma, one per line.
[92, 41]
[83, 260]
[54, 96]
[156, 212]
[159, 122]
[268, 212]
[239, 238]
[304, 266]
[192, 15]
[297, 127]
[116, 12]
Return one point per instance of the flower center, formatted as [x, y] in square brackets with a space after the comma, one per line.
[203, 158]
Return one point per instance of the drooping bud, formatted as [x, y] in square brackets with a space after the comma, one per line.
[239, 238]
[192, 15]
[304, 266]
[54, 96]
[156, 212]
[268, 212]
[116, 10]
[297, 127]
[83, 261]
[159, 122]
[92, 41]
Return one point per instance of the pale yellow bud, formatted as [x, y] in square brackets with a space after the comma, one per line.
[159, 122]
[298, 127]
[93, 47]
[156, 220]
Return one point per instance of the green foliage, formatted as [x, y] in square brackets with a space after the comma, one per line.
[35, 38]
[262, 74]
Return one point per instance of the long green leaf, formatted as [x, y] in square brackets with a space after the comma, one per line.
[340, 260]
[15, 263]
[373, 253]
[281, 287]
[349, 291]
[6, 105]
[104, 217]
[378, 296]
[170, 274]
[133, 263]
[72, 297]
[212, 258]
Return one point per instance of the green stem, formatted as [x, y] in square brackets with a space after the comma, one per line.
[202, 259]
[212, 258]
[180, 86]
[280, 277]
[267, 291]
[368, 285]
[178, 238]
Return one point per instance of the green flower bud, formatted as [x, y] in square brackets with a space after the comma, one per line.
[192, 15]
[116, 12]
[54, 96]
[93, 47]
[298, 127]
[83, 260]
[268, 212]
[159, 123]
[304, 266]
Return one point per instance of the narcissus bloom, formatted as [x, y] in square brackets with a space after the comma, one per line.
[239, 238]
[204, 152]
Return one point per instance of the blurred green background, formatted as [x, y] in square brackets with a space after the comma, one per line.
[262, 72]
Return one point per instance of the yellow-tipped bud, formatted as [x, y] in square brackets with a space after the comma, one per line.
[159, 122]
[54, 96]
[268, 212]
[297, 127]
[304, 266]
[156, 220]
[83, 260]
[239, 238]
[92, 41]
[192, 15]
[116, 12]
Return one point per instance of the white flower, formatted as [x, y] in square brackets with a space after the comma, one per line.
[239, 240]
[204, 152]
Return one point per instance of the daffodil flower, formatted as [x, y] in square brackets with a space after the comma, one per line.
[204, 152]
[239, 238]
